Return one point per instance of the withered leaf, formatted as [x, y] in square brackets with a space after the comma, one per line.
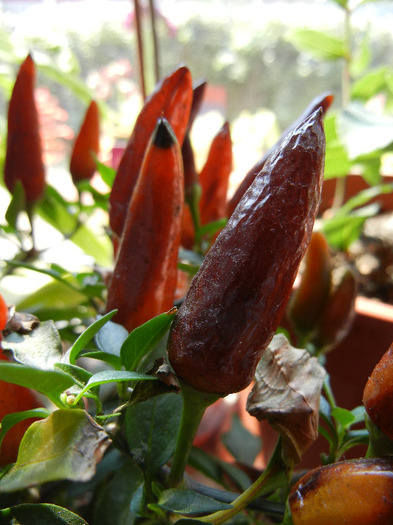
[287, 390]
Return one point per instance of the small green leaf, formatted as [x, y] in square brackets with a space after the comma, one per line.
[79, 374]
[10, 420]
[40, 514]
[40, 348]
[337, 163]
[343, 416]
[318, 44]
[374, 82]
[87, 336]
[112, 376]
[107, 173]
[51, 383]
[151, 429]
[110, 338]
[144, 338]
[66, 445]
[112, 360]
[17, 204]
[243, 445]
[189, 502]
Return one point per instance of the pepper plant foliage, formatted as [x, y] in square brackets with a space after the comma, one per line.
[115, 434]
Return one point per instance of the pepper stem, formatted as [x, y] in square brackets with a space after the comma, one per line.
[194, 405]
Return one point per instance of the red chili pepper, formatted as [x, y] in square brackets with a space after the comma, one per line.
[237, 298]
[324, 102]
[86, 145]
[23, 160]
[143, 284]
[3, 313]
[171, 100]
[378, 394]
[214, 177]
[354, 492]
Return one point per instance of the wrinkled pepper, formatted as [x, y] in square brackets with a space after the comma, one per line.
[171, 100]
[236, 300]
[144, 279]
[378, 394]
[86, 145]
[353, 492]
[24, 158]
[214, 177]
[324, 102]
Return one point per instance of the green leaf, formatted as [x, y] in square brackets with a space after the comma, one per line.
[374, 82]
[110, 338]
[318, 44]
[337, 163]
[361, 57]
[189, 502]
[65, 445]
[10, 420]
[243, 445]
[151, 429]
[112, 360]
[87, 336]
[79, 375]
[361, 198]
[144, 338]
[118, 493]
[40, 348]
[343, 416]
[40, 514]
[341, 3]
[112, 376]
[51, 383]
[107, 173]
[342, 231]
[362, 131]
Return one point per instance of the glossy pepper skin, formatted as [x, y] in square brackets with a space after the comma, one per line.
[23, 160]
[236, 300]
[378, 394]
[144, 279]
[171, 100]
[86, 145]
[354, 492]
[323, 101]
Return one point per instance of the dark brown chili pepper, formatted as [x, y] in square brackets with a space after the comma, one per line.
[324, 102]
[239, 294]
[23, 160]
[171, 100]
[144, 280]
[354, 492]
[86, 145]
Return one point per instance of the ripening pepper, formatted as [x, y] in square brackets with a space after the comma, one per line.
[23, 159]
[13, 398]
[378, 394]
[237, 298]
[214, 177]
[86, 145]
[324, 102]
[310, 297]
[144, 279]
[353, 492]
[172, 101]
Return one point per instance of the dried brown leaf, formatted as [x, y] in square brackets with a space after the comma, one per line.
[287, 390]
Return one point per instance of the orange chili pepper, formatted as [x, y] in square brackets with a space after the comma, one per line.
[144, 280]
[324, 102]
[86, 145]
[23, 160]
[214, 177]
[171, 100]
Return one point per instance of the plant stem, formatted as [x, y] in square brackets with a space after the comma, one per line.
[194, 406]
[138, 26]
[155, 41]
[270, 478]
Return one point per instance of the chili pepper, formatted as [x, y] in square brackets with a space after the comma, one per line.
[171, 100]
[337, 314]
[86, 145]
[214, 177]
[324, 102]
[238, 296]
[23, 159]
[378, 394]
[3, 313]
[309, 298]
[353, 492]
[144, 279]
